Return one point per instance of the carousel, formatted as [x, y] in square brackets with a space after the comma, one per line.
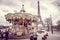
[22, 22]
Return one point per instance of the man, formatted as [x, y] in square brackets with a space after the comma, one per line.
[1, 35]
[6, 35]
[31, 36]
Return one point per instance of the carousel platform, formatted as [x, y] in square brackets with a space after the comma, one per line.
[18, 37]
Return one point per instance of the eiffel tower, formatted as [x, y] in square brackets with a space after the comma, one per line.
[39, 15]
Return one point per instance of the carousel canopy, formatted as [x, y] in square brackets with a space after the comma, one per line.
[20, 15]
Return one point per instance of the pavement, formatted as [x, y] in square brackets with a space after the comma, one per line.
[54, 36]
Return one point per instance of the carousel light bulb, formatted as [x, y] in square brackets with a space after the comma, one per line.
[23, 18]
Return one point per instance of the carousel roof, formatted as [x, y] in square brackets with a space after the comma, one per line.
[21, 14]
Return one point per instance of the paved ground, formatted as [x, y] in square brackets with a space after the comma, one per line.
[55, 36]
[15, 39]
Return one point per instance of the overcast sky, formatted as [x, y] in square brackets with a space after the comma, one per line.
[48, 7]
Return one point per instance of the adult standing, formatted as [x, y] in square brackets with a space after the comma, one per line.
[31, 37]
[6, 35]
[1, 35]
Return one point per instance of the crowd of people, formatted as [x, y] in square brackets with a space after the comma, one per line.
[4, 35]
[33, 37]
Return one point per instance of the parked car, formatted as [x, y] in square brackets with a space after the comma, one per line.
[43, 34]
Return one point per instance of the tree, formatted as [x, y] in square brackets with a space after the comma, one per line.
[58, 22]
[58, 25]
[48, 22]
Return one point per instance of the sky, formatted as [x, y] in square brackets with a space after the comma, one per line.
[47, 8]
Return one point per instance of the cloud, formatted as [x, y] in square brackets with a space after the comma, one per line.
[57, 4]
[7, 2]
[47, 7]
